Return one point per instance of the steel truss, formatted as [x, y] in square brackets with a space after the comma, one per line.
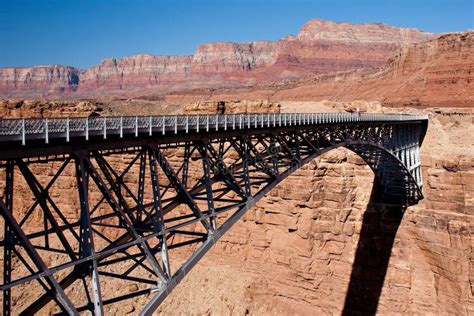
[138, 207]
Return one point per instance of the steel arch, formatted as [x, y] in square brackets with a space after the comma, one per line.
[192, 187]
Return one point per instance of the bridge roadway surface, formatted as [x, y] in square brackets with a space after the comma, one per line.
[226, 164]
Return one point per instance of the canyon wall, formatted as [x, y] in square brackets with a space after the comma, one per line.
[438, 72]
[320, 47]
[318, 243]
[41, 80]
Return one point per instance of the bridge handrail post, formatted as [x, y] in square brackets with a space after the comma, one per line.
[23, 136]
[87, 128]
[233, 121]
[163, 123]
[256, 120]
[207, 123]
[46, 131]
[136, 126]
[105, 127]
[268, 119]
[187, 124]
[67, 129]
[197, 123]
[121, 127]
[176, 124]
[240, 121]
[217, 122]
[151, 125]
[225, 122]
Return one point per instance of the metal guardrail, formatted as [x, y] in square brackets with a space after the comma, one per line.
[12, 130]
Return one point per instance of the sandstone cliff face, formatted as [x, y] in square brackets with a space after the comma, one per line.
[42, 79]
[320, 47]
[35, 108]
[215, 58]
[317, 30]
[438, 72]
[138, 70]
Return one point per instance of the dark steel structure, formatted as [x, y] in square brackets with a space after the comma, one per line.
[143, 189]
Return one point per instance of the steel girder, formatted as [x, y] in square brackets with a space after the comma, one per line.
[140, 206]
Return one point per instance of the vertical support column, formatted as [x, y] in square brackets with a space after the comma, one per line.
[141, 183]
[297, 146]
[207, 181]
[274, 153]
[184, 178]
[8, 238]
[86, 247]
[157, 206]
[245, 164]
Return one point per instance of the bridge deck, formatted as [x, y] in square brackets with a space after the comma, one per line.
[63, 130]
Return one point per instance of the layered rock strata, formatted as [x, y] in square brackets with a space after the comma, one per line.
[320, 47]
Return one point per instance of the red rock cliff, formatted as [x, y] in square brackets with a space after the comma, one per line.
[320, 47]
[42, 79]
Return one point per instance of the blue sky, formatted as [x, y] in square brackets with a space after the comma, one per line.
[83, 32]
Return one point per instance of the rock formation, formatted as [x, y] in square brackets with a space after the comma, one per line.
[320, 47]
[36, 108]
[40, 80]
[435, 72]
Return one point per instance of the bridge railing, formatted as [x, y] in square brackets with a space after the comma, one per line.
[105, 126]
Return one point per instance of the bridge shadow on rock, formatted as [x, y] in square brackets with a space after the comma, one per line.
[379, 227]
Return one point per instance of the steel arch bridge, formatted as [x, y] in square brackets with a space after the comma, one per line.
[111, 200]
